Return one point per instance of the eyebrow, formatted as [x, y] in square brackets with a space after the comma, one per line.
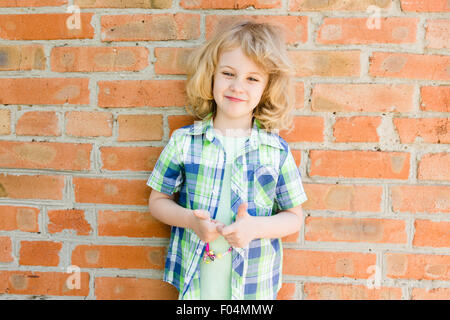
[255, 72]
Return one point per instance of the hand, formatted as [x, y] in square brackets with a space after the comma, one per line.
[204, 227]
[241, 232]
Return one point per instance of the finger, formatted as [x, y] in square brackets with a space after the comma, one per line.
[228, 230]
[242, 210]
[219, 227]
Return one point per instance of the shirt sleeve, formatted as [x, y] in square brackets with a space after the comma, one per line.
[289, 189]
[167, 175]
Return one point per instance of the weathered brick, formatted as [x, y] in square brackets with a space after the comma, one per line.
[427, 130]
[113, 288]
[409, 66]
[226, 4]
[38, 123]
[326, 63]
[135, 127]
[435, 98]
[32, 3]
[359, 164]
[151, 27]
[51, 26]
[338, 197]
[89, 124]
[6, 250]
[420, 199]
[95, 59]
[19, 218]
[68, 219]
[437, 32]
[130, 224]
[121, 257]
[46, 155]
[431, 233]
[430, 294]
[355, 230]
[434, 166]
[356, 129]
[31, 187]
[110, 191]
[425, 5]
[336, 291]
[22, 57]
[362, 97]
[5, 121]
[141, 93]
[129, 158]
[149, 4]
[55, 91]
[417, 266]
[307, 128]
[360, 31]
[39, 253]
[327, 264]
[338, 5]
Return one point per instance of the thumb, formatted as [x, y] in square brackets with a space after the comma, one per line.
[201, 214]
[242, 210]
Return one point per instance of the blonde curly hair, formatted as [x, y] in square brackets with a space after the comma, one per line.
[263, 43]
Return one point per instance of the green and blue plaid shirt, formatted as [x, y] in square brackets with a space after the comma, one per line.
[264, 175]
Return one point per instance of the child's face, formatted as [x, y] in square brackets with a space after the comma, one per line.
[238, 77]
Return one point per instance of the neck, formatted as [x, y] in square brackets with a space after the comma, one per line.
[233, 128]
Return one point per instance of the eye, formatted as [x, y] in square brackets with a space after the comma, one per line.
[253, 79]
[227, 74]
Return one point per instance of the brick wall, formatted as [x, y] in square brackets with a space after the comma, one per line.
[88, 101]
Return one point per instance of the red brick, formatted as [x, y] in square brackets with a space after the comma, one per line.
[19, 218]
[425, 5]
[39, 253]
[5, 121]
[428, 130]
[150, 27]
[158, 4]
[327, 264]
[420, 199]
[299, 95]
[42, 283]
[306, 129]
[134, 289]
[361, 97]
[437, 33]
[356, 129]
[359, 31]
[355, 230]
[171, 60]
[337, 5]
[46, 155]
[431, 233]
[129, 158]
[409, 66]
[430, 294]
[94, 59]
[53, 91]
[38, 123]
[74, 220]
[359, 164]
[141, 93]
[110, 191]
[417, 266]
[31, 187]
[121, 257]
[434, 166]
[22, 57]
[139, 127]
[338, 197]
[176, 122]
[287, 292]
[89, 124]
[226, 4]
[294, 28]
[52, 26]
[6, 250]
[130, 224]
[435, 98]
[335, 291]
[32, 3]
[326, 63]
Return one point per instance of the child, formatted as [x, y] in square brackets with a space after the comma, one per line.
[239, 188]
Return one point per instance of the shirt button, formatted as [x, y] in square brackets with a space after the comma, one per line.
[199, 251]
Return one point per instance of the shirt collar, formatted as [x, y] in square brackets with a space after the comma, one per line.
[258, 134]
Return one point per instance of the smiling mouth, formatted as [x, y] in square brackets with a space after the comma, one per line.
[233, 99]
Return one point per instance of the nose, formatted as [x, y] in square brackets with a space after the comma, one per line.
[237, 85]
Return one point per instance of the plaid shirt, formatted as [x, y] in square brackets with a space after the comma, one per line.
[264, 175]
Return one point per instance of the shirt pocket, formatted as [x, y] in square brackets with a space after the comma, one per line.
[265, 180]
